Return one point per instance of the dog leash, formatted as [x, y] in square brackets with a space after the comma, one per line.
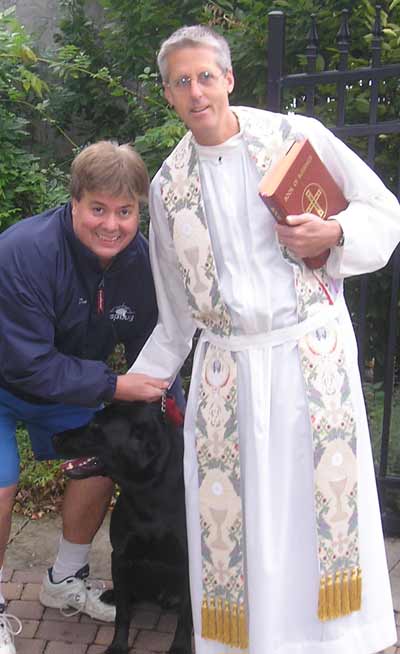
[170, 410]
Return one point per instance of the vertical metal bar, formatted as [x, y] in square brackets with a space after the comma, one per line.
[376, 49]
[389, 524]
[373, 113]
[275, 54]
[389, 367]
[343, 41]
[311, 54]
[362, 323]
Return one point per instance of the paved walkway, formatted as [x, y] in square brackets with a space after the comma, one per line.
[45, 631]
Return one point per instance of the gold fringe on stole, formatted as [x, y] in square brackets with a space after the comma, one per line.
[227, 623]
[212, 622]
[359, 588]
[243, 633]
[330, 600]
[204, 619]
[355, 589]
[224, 623]
[220, 621]
[322, 610]
[337, 592]
[234, 626]
[345, 594]
[341, 595]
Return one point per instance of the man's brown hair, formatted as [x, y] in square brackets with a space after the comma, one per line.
[107, 167]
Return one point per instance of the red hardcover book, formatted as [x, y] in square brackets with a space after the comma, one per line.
[301, 183]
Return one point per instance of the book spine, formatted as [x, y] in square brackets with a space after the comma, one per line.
[278, 213]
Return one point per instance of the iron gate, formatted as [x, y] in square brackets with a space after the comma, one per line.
[342, 77]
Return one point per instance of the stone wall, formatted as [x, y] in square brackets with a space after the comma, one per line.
[40, 17]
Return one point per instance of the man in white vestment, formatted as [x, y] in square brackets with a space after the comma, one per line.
[285, 540]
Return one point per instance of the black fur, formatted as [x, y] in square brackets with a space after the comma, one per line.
[143, 453]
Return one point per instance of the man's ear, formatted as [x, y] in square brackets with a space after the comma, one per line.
[230, 80]
[168, 95]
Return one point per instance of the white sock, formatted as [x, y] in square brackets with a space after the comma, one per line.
[71, 557]
[2, 599]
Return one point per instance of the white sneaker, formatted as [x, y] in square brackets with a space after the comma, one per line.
[76, 594]
[10, 626]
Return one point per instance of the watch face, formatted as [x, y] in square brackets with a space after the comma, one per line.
[340, 242]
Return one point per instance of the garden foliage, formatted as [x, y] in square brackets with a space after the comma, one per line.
[99, 80]
[26, 186]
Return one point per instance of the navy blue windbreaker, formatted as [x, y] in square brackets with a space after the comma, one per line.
[61, 315]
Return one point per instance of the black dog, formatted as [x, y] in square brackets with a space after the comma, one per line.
[142, 451]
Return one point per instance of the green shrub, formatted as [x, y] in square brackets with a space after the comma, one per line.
[26, 187]
[41, 483]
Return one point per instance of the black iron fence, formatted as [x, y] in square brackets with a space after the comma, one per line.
[284, 92]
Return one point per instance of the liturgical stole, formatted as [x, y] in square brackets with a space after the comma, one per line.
[224, 611]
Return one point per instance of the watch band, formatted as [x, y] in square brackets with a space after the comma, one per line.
[340, 242]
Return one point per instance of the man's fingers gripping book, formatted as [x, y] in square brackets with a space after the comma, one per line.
[300, 183]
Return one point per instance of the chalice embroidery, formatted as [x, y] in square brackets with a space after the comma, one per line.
[193, 255]
[338, 486]
[217, 375]
[219, 517]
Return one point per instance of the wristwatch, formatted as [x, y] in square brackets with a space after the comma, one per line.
[340, 242]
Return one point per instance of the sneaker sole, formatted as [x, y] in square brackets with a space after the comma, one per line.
[49, 600]
[52, 602]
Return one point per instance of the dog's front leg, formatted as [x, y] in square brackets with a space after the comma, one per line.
[182, 643]
[121, 580]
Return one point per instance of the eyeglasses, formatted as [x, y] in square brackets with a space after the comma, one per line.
[205, 79]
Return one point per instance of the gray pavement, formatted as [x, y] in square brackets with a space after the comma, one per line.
[32, 547]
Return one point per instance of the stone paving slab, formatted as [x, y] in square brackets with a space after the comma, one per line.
[46, 631]
[34, 543]
[32, 549]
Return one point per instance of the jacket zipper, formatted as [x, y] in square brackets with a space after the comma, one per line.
[100, 297]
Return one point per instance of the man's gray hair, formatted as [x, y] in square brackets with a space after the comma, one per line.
[194, 36]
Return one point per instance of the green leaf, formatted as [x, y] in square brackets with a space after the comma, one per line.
[27, 55]
[389, 32]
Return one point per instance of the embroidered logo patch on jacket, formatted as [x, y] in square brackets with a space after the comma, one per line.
[122, 312]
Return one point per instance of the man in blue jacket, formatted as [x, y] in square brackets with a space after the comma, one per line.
[74, 282]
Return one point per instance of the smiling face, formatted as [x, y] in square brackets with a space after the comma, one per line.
[105, 224]
[204, 108]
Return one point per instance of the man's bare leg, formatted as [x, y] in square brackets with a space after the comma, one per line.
[7, 497]
[86, 502]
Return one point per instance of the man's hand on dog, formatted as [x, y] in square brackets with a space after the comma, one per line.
[134, 386]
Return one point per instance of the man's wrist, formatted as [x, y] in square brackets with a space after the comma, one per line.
[340, 238]
[340, 241]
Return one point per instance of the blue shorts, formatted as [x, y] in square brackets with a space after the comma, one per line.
[41, 421]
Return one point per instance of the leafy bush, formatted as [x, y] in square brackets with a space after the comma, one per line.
[102, 83]
[41, 484]
[25, 186]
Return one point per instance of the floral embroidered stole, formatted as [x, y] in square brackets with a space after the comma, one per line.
[268, 137]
